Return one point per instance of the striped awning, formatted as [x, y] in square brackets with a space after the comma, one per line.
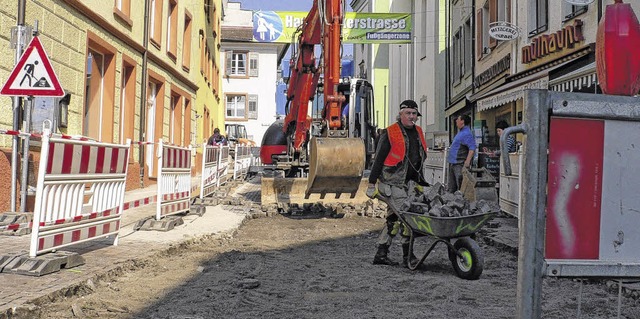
[576, 80]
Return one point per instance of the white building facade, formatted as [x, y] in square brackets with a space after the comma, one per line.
[250, 74]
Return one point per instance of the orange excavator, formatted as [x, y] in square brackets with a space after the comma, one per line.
[329, 148]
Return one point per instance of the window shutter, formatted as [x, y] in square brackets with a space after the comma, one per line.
[479, 43]
[493, 17]
[228, 57]
[253, 64]
[252, 113]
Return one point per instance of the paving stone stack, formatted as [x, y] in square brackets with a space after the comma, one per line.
[437, 202]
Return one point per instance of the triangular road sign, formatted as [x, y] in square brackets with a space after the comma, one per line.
[33, 75]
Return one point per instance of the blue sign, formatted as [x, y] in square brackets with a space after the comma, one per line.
[267, 26]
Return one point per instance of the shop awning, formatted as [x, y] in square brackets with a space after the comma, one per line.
[576, 80]
[511, 91]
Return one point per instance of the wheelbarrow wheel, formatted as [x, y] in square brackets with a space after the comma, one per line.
[469, 261]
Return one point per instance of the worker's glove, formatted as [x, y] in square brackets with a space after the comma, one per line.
[372, 191]
[419, 188]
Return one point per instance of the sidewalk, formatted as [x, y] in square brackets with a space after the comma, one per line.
[18, 292]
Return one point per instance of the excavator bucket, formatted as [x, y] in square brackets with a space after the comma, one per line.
[336, 166]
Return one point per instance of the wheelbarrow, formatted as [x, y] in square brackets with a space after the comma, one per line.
[465, 254]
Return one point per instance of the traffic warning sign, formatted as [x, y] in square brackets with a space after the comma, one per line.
[33, 75]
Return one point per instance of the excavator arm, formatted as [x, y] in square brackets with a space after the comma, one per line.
[335, 162]
[321, 26]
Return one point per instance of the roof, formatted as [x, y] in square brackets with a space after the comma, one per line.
[236, 34]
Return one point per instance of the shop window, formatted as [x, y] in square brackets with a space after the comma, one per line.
[186, 42]
[538, 19]
[236, 106]
[172, 29]
[127, 101]
[99, 105]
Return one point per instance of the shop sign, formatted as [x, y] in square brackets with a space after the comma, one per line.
[546, 44]
[579, 2]
[493, 71]
[503, 31]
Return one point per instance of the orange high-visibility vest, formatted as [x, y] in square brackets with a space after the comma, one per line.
[398, 148]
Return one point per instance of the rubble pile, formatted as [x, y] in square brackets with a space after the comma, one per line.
[437, 202]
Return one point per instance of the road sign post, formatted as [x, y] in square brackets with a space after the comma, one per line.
[32, 76]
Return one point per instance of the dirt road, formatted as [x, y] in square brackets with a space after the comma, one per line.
[282, 267]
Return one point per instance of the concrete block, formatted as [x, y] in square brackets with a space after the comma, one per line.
[43, 264]
[165, 224]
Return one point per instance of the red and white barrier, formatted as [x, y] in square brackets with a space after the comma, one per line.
[174, 180]
[79, 192]
[223, 166]
[210, 162]
[242, 161]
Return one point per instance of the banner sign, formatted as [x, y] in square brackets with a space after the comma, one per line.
[280, 27]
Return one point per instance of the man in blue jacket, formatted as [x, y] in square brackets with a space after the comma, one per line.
[460, 153]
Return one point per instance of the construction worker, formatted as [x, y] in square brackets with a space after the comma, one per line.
[401, 152]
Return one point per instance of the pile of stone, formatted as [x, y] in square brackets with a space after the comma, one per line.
[437, 202]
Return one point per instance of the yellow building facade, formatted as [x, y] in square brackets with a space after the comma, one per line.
[127, 77]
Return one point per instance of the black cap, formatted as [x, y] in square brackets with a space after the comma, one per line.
[410, 104]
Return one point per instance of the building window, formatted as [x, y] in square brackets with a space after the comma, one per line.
[236, 106]
[122, 10]
[252, 113]
[538, 21]
[423, 28]
[468, 53]
[155, 119]
[187, 120]
[172, 30]
[203, 46]
[155, 23]
[176, 119]
[253, 64]
[236, 63]
[98, 114]
[186, 42]
[570, 11]
[455, 60]
[127, 101]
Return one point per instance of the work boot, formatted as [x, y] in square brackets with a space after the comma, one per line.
[406, 256]
[381, 257]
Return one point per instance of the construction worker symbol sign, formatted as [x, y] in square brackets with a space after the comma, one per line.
[33, 75]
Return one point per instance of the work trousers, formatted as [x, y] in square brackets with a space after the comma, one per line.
[454, 179]
[397, 196]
